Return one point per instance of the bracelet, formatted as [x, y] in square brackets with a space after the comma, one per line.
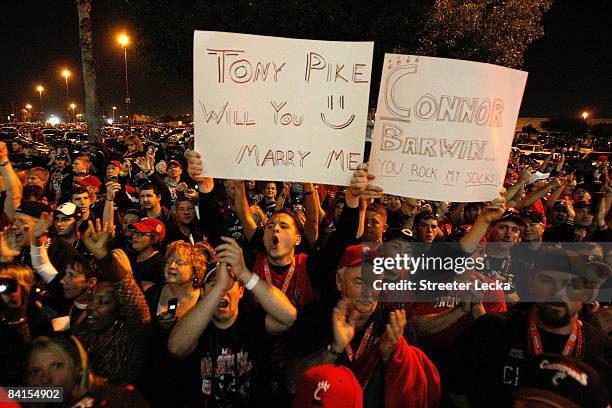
[307, 193]
[4, 163]
[333, 351]
[252, 282]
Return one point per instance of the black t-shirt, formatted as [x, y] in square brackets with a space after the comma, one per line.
[237, 356]
[486, 361]
[512, 269]
[150, 270]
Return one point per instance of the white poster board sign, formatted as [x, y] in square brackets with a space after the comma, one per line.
[444, 127]
[270, 108]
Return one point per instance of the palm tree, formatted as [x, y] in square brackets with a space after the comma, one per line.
[92, 111]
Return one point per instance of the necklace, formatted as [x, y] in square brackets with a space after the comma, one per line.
[362, 344]
[287, 278]
[575, 340]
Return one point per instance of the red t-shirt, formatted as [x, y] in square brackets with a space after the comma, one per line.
[299, 290]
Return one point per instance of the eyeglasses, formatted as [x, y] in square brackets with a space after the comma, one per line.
[142, 234]
[178, 261]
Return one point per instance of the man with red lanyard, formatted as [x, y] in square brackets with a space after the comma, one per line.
[299, 276]
[487, 362]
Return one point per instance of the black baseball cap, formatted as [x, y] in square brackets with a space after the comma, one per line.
[511, 215]
[33, 208]
[531, 215]
[562, 381]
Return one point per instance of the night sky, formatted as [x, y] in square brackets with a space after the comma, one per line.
[569, 68]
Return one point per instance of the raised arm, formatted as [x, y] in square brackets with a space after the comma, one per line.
[38, 253]
[490, 212]
[187, 330]
[513, 192]
[534, 196]
[109, 204]
[242, 210]
[211, 220]
[311, 210]
[12, 184]
[556, 194]
[281, 314]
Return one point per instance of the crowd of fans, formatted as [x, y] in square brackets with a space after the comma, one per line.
[130, 279]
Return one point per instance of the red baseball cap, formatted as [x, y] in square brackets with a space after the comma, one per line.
[356, 254]
[90, 180]
[174, 163]
[150, 225]
[328, 385]
[115, 163]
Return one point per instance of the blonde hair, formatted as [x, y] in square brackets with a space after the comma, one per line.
[197, 256]
[21, 273]
[72, 352]
[136, 140]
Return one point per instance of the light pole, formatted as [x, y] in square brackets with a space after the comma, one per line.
[28, 107]
[72, 106]
[66, 74]
[114, 109]
[124, 40]
[40, 90]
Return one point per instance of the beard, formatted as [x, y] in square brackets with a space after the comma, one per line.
[552, 316]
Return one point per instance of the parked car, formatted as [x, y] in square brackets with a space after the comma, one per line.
[75, 137]
[539, 157]
[529, 148]
[593, 157]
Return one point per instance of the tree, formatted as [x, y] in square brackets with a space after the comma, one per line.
[529, 129]
[92, 106]
[574, 126]
[493, 31]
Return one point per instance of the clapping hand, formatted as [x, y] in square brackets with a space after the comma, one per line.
[393, 332]
[343, 324]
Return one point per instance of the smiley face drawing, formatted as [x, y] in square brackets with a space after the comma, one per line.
[330, 105]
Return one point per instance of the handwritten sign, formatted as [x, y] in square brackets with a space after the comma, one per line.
[270, 108]
[444, 127]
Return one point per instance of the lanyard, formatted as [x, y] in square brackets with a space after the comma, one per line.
[362, 344]
[287, 278]
[574, 338]
[81, 316]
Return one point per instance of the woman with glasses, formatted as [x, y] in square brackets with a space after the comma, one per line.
[184, 269]
[165, 381]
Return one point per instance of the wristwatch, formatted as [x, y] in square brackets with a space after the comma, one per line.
[4, 163]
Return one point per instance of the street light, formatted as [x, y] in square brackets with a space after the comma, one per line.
[40, 90]
[585, 115]
[114, 109]
[66, 74]
[124, 40]
[28, 107]
[72, 106]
